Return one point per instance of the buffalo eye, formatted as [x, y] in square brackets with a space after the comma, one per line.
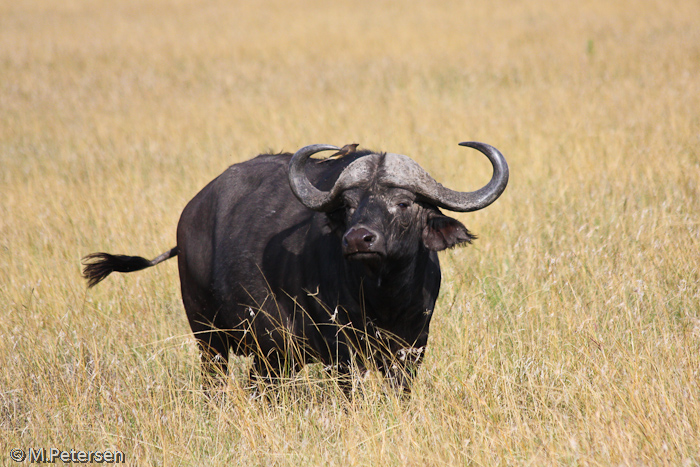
[404, 205]
[348, 210]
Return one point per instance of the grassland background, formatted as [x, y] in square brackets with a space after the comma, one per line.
[569, 334]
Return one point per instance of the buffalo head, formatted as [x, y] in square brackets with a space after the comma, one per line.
[381, 202]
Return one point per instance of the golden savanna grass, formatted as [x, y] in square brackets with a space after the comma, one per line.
[568, 334]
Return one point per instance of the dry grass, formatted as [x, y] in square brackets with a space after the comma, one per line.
[568, 335]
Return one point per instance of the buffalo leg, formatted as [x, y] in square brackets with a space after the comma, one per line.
[214, 347]
[402, 367]
[269, 370]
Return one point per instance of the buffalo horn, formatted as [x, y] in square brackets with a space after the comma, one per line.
[309, 195]
[474, 200]
[403, 172]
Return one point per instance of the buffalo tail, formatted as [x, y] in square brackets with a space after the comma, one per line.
[100, 265]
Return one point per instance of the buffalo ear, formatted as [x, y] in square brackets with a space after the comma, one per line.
[442, 232]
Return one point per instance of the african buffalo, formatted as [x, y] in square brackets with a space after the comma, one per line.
[296, 260]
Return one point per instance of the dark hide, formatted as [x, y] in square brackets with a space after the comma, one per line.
[354, 288]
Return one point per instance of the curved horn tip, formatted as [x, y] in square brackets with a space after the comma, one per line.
[314, 148]
[475, 144]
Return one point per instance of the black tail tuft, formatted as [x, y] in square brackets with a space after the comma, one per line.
[100, 265]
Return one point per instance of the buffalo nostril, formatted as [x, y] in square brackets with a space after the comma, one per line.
[359, 239]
